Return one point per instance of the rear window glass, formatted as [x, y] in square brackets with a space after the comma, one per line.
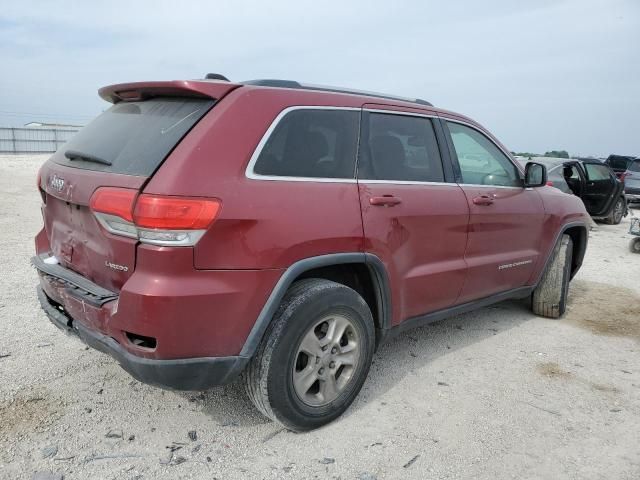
[133, 137]
[311, 143]
[635, 166]
[618, 163]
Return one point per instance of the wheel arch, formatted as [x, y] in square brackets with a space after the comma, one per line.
[578, 231]
[363, 272]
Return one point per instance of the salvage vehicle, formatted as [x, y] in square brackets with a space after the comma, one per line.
[198, 231]
[619, 164]
[594, 182]
[631, 179]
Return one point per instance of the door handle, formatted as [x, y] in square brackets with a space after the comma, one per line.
[385, 201]
[483, 200]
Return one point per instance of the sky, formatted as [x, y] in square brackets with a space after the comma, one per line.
[540, 74]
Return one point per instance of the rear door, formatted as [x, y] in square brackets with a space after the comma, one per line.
[414, 217]
[601, 190]
[120, 148]
[506, 220]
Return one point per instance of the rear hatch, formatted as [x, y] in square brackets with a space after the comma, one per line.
[122, 147]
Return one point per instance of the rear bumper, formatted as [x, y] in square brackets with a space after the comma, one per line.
[176, 374]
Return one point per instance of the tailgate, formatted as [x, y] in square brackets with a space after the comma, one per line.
[77, 240]
[121, 148]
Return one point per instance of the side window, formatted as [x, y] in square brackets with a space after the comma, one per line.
[311, 143]
[400, 147]
[481, 161]
[597, 172]
[635, 166]
[558, 179]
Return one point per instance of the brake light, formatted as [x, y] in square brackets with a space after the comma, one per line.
[549, 183]
[155, 219]
[114, 201]
[174, 213]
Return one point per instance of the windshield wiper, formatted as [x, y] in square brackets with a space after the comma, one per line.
[75, 155]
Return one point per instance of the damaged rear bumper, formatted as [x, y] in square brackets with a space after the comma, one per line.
[175, 374]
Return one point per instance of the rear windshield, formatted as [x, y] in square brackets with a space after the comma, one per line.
[618, 162]
[133, 138]
[635, 166]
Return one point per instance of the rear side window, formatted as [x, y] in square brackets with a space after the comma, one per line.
[635, 166]
[311, 143]
[401, 148]
[597, 172]
[134, 137]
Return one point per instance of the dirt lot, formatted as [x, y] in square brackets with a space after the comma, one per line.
[498, 393]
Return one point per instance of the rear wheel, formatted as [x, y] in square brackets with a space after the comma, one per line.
[549, 299]
[315, 356]
[634, 245]
[615, 217]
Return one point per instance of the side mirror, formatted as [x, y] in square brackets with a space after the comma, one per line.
[535, 175]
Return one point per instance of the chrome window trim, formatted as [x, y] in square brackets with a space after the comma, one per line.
[249, 172]
[396, 112]
[405, 182]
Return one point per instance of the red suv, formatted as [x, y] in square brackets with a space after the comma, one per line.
[201, 230]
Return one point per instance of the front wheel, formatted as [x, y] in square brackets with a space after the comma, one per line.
[315, 356]
[634, 245]
[549, 299]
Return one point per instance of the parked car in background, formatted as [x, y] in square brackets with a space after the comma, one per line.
[620, 164]
[593, 181]
[631, 179]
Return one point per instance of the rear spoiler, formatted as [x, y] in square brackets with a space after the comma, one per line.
[123, 92]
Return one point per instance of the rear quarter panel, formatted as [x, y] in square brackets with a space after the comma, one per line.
[262, 223]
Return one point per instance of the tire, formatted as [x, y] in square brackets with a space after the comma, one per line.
[277, 376]
[615, 217]
[549, 299]
[634, 245]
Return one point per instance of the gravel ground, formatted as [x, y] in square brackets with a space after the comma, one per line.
[498, 393]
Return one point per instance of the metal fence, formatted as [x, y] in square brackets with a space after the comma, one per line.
[34, 139]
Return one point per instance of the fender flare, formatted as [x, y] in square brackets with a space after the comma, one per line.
[577, 259]
[378, 274]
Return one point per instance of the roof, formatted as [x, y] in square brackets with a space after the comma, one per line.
[325, 88]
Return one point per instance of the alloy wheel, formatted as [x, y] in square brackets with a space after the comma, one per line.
[326, 360]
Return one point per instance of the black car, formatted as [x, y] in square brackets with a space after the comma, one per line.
[591, 180]
[619, 164]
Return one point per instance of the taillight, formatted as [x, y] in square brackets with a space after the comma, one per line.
[174, 213]
[549, 183]
[114, 201]
[155, 219]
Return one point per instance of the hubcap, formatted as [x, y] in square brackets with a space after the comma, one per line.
[326, 360]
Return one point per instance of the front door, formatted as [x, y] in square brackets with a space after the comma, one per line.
[506, 220]
[414, 221]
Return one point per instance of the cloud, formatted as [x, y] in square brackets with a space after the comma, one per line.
[541, 75]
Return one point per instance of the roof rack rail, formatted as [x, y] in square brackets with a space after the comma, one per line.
[324, 88]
